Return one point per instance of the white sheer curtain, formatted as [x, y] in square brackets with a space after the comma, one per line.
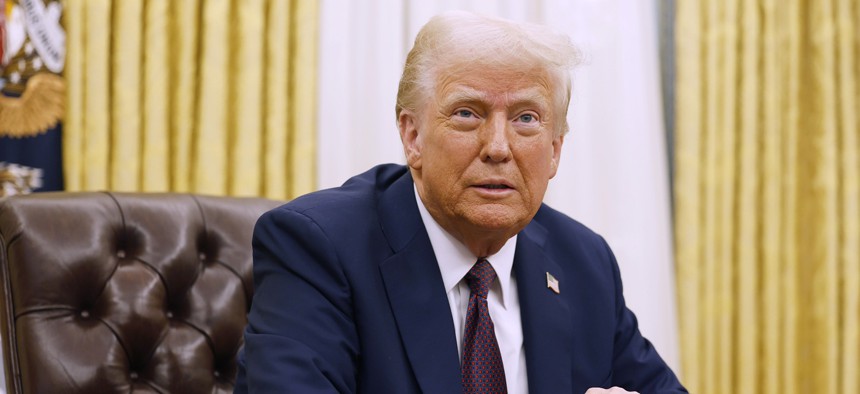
[614, 167]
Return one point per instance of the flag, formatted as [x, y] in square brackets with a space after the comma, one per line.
[32, 96]
[2, 31]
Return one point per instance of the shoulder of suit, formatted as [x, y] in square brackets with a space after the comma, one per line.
[357, 197]
[559, 224]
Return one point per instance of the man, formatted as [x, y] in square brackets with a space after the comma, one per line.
[450, 276]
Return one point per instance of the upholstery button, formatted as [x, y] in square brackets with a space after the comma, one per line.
[217, 374]
[85, 314]
[120, 253]
[202, 256]
[133, 375]
[169, 314]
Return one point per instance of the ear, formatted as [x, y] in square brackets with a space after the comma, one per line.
[557, 142]
[410, 138]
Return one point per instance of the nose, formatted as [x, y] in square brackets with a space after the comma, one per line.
[496, 146]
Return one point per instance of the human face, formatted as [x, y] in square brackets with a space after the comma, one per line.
[483, 149]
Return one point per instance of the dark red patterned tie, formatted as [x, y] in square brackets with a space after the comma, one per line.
[482, 368]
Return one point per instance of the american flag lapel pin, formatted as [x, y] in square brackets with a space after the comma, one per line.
[552, 283]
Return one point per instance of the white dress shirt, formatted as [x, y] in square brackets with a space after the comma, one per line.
[455, 261]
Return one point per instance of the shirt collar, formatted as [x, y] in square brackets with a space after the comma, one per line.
[455, 260]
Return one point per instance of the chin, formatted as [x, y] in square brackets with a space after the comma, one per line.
[496, 219]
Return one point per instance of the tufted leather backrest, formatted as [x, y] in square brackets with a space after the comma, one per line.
[114, 293]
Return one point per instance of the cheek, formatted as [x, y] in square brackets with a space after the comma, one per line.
[457, 148]
[535, 156]
[535, 166]
[450, 155]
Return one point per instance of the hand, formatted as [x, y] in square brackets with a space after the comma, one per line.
[614, 390]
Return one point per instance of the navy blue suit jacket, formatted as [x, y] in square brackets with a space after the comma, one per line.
[349, 298]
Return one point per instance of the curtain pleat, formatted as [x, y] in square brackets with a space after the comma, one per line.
[771, 221]
[277, 103]
[247, 118]
[302, 164]
[746, 231]
[790, 74]
[96, 132]
[849, 199]
[210, 167]
[73, 143]
[767, 217]
[191, 96]
[126, 92]
[156, 98]
[690, 264]
[183, 45]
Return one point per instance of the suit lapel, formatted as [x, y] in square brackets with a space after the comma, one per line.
[417, 297]
[546, 319]
[416, 292]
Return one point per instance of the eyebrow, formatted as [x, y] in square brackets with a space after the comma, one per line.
[463, 95]
[466, 94]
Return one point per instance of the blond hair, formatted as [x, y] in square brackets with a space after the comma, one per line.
[461, 38]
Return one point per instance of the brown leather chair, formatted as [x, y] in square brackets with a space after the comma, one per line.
[124, 292]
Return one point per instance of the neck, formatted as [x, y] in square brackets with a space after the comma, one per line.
[480, 241]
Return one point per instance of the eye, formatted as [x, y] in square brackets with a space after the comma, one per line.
[464, 113]
[527, 118]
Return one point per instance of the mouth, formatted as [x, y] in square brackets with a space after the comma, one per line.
[494, 186]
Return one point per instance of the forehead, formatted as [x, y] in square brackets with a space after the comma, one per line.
[477, 82]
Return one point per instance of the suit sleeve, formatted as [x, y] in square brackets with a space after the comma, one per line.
[636, 364]
[300, 336]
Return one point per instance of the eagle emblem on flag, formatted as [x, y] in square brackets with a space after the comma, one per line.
[32, 95]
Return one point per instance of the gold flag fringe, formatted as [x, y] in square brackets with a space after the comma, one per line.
[42, 105]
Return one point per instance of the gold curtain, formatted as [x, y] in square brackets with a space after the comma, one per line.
[767, 194]
[202, 96]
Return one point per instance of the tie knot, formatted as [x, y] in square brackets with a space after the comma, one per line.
[480, 277]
